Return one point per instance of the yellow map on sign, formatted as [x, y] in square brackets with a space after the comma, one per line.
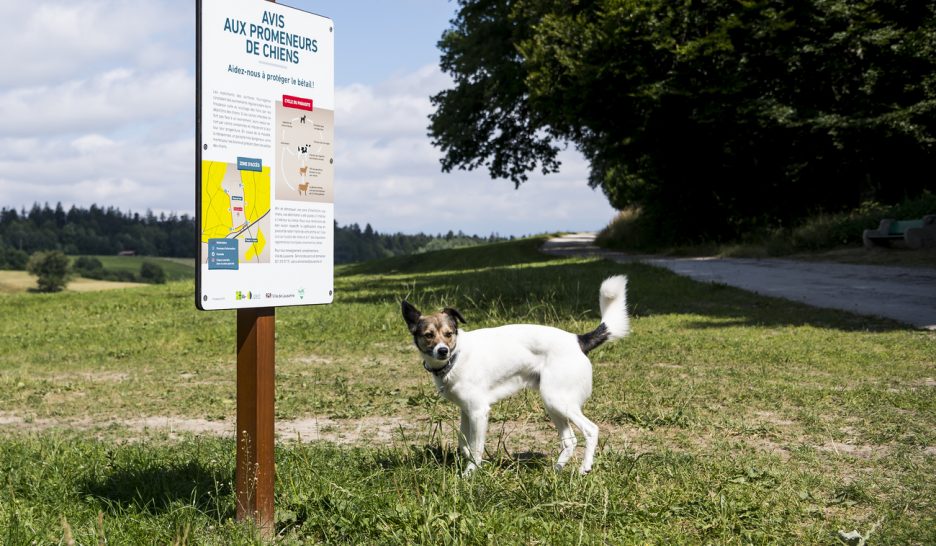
[236, 205]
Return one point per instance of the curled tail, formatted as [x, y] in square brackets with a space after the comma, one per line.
[615, 324]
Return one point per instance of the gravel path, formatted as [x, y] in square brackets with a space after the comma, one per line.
[904, 294]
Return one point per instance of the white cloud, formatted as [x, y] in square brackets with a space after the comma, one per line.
[394, 108]
[56, 40]
[130, 174]
[89, 143]
[116, 98]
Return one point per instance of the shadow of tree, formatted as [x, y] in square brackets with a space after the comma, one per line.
[435, 455]
[481, 257]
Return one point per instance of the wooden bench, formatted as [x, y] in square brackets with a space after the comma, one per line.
[913, 233]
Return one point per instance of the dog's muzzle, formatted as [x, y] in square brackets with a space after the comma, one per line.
[444, 354]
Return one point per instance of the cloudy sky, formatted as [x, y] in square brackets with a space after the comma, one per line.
[97, 106]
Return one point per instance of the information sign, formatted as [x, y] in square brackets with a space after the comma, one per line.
[265, 155]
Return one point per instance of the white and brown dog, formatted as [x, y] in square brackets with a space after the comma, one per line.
[475, 369]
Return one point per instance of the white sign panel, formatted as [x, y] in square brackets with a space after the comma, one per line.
[265, 156]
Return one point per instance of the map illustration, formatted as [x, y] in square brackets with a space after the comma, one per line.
[236, 208]
[304, 170]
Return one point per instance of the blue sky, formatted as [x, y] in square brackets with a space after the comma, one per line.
[97, 102]
[380, 39]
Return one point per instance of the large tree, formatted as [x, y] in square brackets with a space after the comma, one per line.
[714, 116]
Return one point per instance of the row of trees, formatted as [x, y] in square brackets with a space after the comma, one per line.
[108, 231]
[97, 230]
[714, 117]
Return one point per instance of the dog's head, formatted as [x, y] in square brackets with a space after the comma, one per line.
[435, 335]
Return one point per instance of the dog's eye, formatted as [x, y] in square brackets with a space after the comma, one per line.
[448, 334]
[428, 335]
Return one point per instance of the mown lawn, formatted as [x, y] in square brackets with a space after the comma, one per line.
[726, 417]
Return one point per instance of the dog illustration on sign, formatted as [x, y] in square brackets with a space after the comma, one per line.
[304, 189]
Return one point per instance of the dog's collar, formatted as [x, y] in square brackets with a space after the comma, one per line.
[440, 372]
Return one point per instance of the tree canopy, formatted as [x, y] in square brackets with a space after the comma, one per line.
[714, 117]
[51, 269]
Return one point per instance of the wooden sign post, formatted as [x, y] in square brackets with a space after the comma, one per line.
[255, 472]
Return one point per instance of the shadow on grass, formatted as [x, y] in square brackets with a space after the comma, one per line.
[428, 455]
[521, 285]
[503, 254]
[434, 455]
[159, 489]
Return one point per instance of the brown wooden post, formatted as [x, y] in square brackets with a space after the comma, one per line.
[255, 435]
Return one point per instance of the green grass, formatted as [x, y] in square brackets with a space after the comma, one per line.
[726, 417]
[13, 282]
[176, 268]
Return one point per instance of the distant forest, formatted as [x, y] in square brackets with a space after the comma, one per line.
[108, 231]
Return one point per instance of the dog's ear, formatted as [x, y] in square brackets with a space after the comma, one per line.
[455, 315]
[410, 315]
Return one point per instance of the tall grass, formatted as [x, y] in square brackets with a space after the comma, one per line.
[826, 231]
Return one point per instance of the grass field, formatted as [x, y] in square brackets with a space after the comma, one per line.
[13, 282]
[176, 268]
[726, 418]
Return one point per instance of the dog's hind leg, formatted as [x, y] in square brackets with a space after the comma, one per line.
[567, 439]
[590, 431]
[565, 385]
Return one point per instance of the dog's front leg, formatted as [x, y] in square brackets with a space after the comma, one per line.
[463, 435]
[477, 425]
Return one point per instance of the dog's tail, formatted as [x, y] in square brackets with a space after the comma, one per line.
[615, 324]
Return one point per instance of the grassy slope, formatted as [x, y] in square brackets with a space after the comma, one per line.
[726, 417]
[176, 268]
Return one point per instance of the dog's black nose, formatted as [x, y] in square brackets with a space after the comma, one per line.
[443, 352]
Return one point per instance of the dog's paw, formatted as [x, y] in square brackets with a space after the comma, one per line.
[558, 467]
[584, 471]
[469, 470]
